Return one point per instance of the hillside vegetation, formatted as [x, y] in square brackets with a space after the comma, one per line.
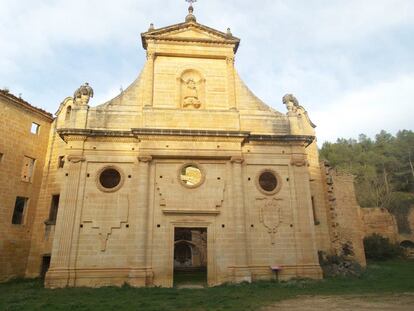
[383, 168]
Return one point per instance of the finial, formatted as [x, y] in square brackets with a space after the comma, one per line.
[151, 27]
[229, 34]
[83, 94]
[190, 17]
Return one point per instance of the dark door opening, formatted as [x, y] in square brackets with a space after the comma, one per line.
[190, 256]
[45, 265]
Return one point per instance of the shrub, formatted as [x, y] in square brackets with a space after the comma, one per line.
[378, 247]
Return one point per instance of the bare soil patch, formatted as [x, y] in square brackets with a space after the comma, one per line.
[397, 302]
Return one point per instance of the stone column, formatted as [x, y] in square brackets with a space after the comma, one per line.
[306, 250]
[62, 259]
[231, 83]
[149, 84]
[241, 268]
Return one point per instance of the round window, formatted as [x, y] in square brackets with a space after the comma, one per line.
[110, 178]
[268, 182]
[191, 175]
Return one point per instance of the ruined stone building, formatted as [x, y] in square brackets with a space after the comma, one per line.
[184, 168]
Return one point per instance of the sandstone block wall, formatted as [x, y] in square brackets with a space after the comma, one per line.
[16, 143]
[380, 221]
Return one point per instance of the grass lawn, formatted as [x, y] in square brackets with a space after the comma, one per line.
[386, 277]
[195, 277]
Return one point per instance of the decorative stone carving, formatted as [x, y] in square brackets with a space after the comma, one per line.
[295, 109]
[145, 158]
[190, 17]
[83, 94]
[230, 60]
[270, 215]
[299, 160]
[150, 55]
[191, 94]
[191, 89]
[113, 212]
[237, 159]
[76, 158]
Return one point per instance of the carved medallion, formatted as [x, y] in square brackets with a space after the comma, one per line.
[270, 215]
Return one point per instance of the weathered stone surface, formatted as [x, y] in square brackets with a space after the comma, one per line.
[123, 194]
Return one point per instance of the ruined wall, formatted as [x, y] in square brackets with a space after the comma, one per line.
[344, 215]
[16, 179]
[44, 227]
[380, 221]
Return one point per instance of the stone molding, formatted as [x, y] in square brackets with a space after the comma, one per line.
[144, 158]
[237, 159]
[180, 134]
[299, 160]
[76, 158]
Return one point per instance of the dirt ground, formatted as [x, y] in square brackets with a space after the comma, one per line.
[400, 302]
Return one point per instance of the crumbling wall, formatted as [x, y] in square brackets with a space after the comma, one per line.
[380, 221]
[346, 229]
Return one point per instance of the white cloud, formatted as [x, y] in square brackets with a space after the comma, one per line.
[314, 49]
[387, 105]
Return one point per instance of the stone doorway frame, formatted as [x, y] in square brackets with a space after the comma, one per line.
[211, 263]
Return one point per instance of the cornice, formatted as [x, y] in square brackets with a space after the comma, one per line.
[182, 135]
[156, 34]
[25, 105]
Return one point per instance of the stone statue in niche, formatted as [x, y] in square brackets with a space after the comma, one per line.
[191, 94]
[191, 89]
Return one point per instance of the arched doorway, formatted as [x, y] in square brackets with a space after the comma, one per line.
[190, 256]
[183, 258]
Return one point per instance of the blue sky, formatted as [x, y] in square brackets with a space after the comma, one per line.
[350, 63]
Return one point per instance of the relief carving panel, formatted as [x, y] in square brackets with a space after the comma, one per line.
[106, 213]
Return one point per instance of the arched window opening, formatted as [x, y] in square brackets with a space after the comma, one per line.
[68, 113]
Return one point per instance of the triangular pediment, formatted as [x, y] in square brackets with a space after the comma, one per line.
[189, 31]
[192, 33]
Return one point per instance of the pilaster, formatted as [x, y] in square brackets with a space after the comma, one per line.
[241, 272]
[231, 83]
[149, 84]
[63, 257]
[304, 227]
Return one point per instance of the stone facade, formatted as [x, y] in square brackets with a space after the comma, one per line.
[187, 146]
[24, 135]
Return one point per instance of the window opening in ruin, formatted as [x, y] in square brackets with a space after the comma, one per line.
[28, 169]
[61, 161]
[190, 256]
[315, 217]
[19, 210]
[45, 266]
[1, 157]
[268, 181]
[68, 113]
[35, 128]
[54, 206]
[110, 178]
[191, 175]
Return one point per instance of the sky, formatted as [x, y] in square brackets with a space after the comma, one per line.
[350, 63]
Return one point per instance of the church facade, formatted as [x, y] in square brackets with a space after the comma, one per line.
[187, 167]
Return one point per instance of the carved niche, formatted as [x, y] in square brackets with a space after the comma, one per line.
[191, 89]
